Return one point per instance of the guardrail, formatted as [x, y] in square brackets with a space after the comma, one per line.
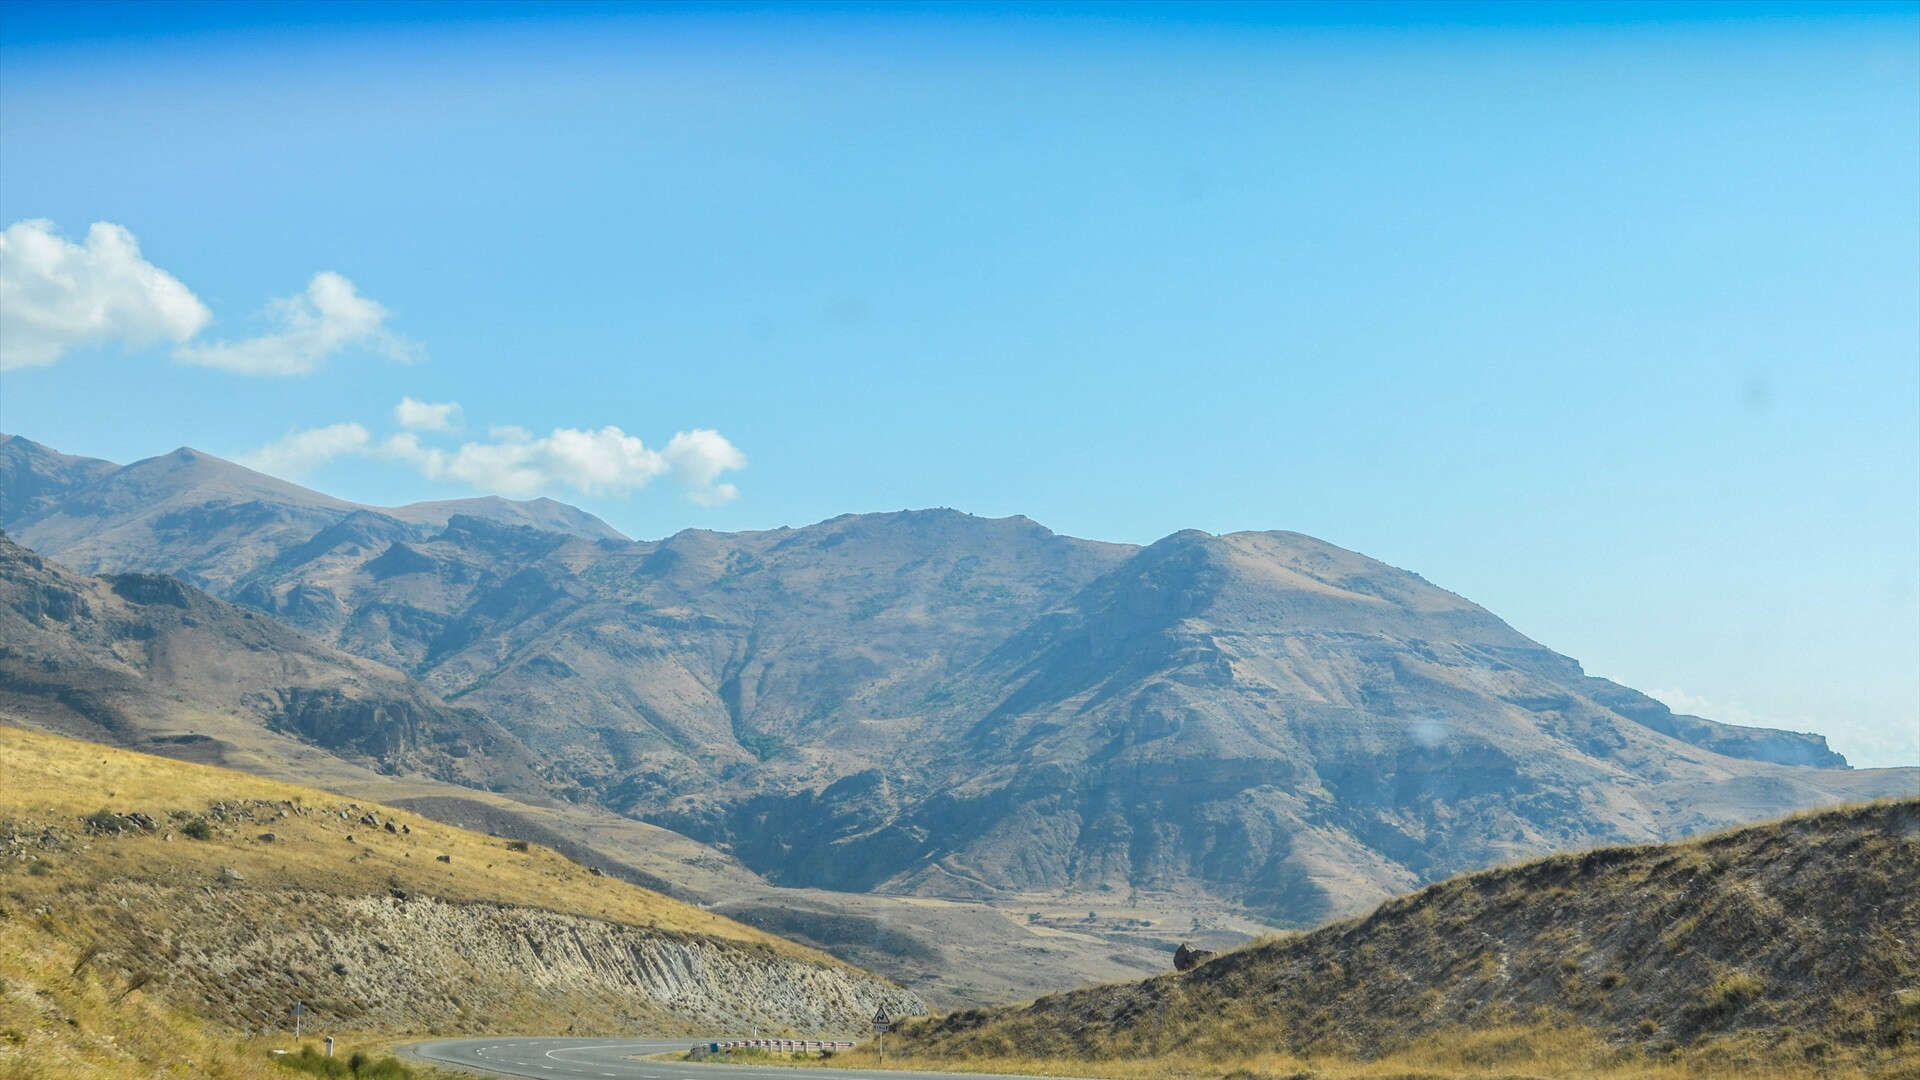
[790, 1046]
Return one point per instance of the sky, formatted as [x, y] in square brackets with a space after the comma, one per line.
[1606, 317]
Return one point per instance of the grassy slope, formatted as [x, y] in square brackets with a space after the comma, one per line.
[49, 776]
[55, 1022]
[1783, 949]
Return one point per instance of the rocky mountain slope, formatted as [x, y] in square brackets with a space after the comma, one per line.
[145, 660]
[931, 704]
[1796, 942]
[205, 519]
[1286, 722]
[153, 663]
[34, 478]
[230, 897]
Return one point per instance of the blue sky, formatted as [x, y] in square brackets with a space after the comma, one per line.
[1604, 316]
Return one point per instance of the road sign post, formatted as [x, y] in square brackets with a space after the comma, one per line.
[880, 1026]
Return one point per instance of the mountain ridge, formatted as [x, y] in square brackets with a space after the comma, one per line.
[928, 703]
[154, 502]
[147, 661]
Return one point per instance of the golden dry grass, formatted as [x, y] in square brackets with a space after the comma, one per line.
[64, 1018]
[49, 777]
[1782, 950]
[1508, 1052]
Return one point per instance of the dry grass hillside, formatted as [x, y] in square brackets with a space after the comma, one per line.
[133, 887]
[1785, 949]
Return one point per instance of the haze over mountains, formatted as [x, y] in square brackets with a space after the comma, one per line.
[934, 704]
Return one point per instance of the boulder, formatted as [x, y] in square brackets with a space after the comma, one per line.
[1186, 958]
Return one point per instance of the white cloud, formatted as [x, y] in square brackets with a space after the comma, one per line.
[300, 452]
[1681, 701]
[427, 416]
[697, 458]
[56, 295]
[1726, 712]
[604, 462]
[331, 316]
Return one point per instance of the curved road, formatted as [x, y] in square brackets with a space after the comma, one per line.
[614, 1059]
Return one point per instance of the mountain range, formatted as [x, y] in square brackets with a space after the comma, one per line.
[932, 704]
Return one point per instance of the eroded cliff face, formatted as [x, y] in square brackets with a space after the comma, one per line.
[241, 955]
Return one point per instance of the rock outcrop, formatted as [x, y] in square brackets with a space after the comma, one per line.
[1186, 958]
[423, 964]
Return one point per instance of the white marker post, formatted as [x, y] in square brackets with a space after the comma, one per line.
[880, 1026]
[299, 1007]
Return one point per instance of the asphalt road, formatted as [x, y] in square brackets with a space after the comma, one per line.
[613, 1059]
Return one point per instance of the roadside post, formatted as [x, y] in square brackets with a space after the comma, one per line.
[880, 1026]
[329, 1046]
[299, 1009]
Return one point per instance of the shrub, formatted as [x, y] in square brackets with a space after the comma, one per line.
[517, 845]
[1733, 988]
[198, 829]
[102, 821]
[139, 979]
[356, 1064]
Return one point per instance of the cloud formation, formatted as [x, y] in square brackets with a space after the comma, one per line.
[513, 461]
[605, 462]
[300, 452]
[428, 416]
[330, 317]
[697, 459]
[56, 295]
